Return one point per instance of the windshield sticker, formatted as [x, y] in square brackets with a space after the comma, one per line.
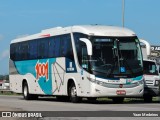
[122, 69]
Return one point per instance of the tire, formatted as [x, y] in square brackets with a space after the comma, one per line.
[26, 94]
[73, 94]
[147, 99]
[118, 100]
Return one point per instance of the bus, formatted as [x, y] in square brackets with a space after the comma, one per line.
[71, 63]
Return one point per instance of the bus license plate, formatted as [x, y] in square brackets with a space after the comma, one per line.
[121, 92]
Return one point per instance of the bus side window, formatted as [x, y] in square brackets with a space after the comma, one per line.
[66, 47]
[17, 52]
[33, 49]
[70, 48]
[63, 46]
[12, 51]
[57, 47]
[24, 51]
[43, 48]
[51, 51]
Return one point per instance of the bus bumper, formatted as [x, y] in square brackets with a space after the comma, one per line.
[101, 91]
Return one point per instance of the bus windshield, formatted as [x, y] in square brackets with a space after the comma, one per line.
[113, 57]
[116, 57]
[150, 68]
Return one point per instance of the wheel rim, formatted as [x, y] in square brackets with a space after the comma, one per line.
[25, 91]
[73, 92]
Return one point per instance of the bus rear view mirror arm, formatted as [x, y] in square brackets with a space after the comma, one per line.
[88, 44]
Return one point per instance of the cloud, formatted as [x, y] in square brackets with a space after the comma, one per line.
[1, 37]
[4, 54]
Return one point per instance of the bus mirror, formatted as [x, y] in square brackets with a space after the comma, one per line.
[88, 44]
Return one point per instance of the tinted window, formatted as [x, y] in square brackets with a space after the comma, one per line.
[150, 68]
[63, 46]
[12, 56]
[33, 49]
[12, 52]
[23, 50]
[59, 46]
[51, 47]
[17, 52]
[42, 48]
[67, 49]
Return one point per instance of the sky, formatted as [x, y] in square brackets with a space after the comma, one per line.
[24, 17]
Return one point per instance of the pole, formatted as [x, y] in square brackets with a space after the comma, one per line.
[123, 9]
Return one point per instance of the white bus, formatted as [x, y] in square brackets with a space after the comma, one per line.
[79, 61]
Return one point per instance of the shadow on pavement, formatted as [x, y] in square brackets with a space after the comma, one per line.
[100, 101]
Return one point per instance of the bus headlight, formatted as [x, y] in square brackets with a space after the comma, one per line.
[140, 82]
[101, 83]
[97, 81]
[156, 83]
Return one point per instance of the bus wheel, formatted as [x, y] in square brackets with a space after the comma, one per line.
[118, 99]
[73, 94]
[147, 99]
[26, 94]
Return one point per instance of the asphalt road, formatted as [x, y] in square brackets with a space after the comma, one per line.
[17, 103]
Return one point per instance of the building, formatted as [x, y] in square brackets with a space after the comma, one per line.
[155, 53]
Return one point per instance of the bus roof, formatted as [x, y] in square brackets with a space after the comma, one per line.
[95, 30]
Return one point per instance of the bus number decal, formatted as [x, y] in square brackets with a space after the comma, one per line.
[41, 70]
